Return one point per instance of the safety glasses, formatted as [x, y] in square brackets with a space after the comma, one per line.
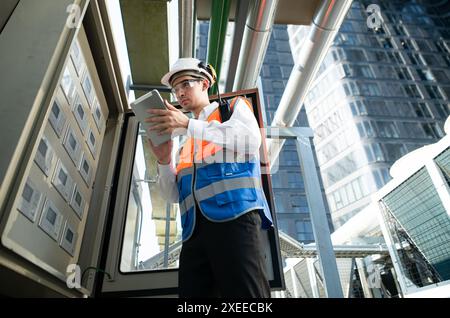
[184, 85]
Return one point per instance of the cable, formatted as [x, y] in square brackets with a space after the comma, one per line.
[96, 270]
[224, 107]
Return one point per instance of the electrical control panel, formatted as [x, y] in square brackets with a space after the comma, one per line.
[52, 200]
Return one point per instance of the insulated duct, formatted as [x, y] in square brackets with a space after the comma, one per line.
[261, 14]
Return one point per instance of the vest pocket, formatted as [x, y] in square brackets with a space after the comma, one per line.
[226, 169]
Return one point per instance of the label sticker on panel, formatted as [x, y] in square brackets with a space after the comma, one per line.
[73, 146]
[30, 201]
[77, 58]
[69, 238]
[92, 142]
[62, 181]
[98, 116]
[78, 202]
[68, 85]
[80, 114]
[44, 155]
[51, 220]
[57, 118]
[88, 89]
[86, 169]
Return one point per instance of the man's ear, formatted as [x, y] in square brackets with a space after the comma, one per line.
[205, 84]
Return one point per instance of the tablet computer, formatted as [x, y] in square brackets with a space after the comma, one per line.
[151, 100]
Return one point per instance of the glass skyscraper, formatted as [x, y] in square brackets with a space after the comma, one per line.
[380, 93]
[290, 199]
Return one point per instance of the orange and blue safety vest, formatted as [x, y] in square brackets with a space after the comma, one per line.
[223, 189]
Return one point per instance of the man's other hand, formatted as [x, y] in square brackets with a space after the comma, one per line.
[163, 152]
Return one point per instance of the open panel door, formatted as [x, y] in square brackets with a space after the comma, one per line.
[142, 248]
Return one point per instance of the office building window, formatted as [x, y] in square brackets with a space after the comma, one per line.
[357, 188]
[365, 129]
[442, 110]
[276, 180]
[412, 91]
[431, 59]
[433, 92]
[387, 72]
[403, 73]
[289, 158]
[271, 57]
[279, 203]
[395, 151]
[395, 57]
[386, 43]
[414, 130]
[395, 89]
[402, 109]
[358, 108]
[295, 180]
[350, 193]
[275, 71]
[387, 129]
[423, 45]
[355, 55]
[406, 44]
[425, 75]
[381, 177]
[446, 90]
[369, 89]
[283, 225]
[415, 59]
[441, 47]
[432, 130]
[369, 155]
[298, 201]
[285, 58]
[304, 226]
[373, 152]
[421, 110]
[358, 71]
[341, 169]
[440, 76]
[380, 56]
[399, 29]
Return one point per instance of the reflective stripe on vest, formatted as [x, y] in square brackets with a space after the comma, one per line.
[219, 187]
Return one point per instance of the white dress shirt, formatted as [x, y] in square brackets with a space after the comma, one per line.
[242, 125]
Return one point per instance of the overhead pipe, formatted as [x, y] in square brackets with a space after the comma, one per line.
[239, 27]
[187, 27]
[220, 10]
[326, 22]
[261, 15]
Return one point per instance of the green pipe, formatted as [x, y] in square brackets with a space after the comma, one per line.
[220, 10]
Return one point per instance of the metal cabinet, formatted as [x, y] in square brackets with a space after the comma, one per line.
[52, 200]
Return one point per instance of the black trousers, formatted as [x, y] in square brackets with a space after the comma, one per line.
[224, 259]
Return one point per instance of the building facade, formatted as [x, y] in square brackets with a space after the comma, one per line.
[381, 92]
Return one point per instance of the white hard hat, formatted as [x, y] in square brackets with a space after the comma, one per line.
[187, 64]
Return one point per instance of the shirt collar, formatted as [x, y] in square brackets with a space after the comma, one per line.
[207, 110]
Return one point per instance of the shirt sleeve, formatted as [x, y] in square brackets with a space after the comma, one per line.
[240, 133]
[167, 183]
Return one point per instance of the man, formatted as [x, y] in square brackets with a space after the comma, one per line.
[217, 182]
